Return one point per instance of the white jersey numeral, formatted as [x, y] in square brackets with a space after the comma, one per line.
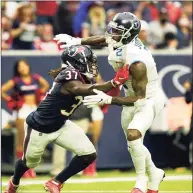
[69, 74]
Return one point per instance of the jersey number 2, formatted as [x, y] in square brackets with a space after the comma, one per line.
[119, 52]
[74, 106]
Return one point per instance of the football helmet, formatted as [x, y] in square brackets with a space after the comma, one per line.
[81, 58]
[122, 29]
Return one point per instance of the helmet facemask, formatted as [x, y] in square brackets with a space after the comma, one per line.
[92, 67]
[117, 35]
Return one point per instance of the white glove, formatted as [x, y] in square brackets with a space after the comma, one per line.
[94, 100]
[67, 40]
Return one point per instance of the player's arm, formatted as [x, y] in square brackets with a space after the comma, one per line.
[139, 82]
[76, 87]
[138, 72]
[68, 40]
[94, 40]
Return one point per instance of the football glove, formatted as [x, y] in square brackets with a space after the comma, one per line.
[67, 40]
[94, 100]
[121, 76]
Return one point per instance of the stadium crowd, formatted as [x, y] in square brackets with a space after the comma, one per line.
[28, 25]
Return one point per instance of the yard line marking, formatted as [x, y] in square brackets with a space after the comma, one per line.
[102, 180]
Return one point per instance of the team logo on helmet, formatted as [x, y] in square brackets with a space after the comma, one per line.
[77, 50]
[136, 25]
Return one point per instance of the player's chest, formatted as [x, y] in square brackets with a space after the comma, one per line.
[115, 57]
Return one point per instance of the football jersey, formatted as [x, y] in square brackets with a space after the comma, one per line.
[130, 53]
[56, 107]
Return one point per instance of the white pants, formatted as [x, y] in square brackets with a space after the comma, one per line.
[26, 110]
[70, 137]
[141, 118]
[58, 162]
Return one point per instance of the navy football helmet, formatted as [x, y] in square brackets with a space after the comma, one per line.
[81, 58]
[122, 29]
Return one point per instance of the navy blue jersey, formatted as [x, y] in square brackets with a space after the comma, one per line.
[57, 107]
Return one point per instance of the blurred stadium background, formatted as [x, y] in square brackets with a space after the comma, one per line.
[27, 31]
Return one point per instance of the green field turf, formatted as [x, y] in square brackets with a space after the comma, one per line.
[109, 182]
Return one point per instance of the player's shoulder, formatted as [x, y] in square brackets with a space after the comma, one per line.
[135, 45]
[68, 74]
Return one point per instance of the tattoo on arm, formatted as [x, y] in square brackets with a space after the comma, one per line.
[94, 40]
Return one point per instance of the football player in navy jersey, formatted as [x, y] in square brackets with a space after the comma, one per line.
[49, 123]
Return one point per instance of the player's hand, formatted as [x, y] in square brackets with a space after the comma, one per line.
[121, 76]
[67, 40]
[99, 99]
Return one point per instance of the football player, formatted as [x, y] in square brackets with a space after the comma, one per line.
[49, 123]
[143, 99]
